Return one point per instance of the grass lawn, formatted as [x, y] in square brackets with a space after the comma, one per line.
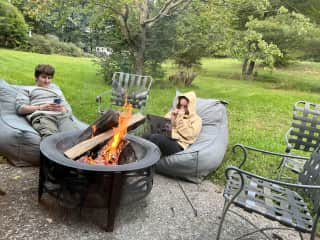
[259, 110]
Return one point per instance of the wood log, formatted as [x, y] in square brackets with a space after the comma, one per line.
[84, 146]
[107, 121]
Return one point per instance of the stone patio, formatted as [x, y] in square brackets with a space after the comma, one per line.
[164, 215]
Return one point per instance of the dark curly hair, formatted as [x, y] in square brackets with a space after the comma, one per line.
[44, 69]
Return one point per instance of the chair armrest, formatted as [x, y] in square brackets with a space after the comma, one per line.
[243, 173]
[245, 150]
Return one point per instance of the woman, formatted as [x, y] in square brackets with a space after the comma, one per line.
[185, 126]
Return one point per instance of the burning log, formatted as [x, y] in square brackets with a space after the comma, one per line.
[84, 146]
[107, 121]
[110, 153]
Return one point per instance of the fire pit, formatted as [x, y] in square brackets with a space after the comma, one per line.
[79, 184]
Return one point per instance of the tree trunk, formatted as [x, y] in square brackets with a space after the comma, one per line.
[244, 67]
[139, 54]
[139, 62]
[251, 68]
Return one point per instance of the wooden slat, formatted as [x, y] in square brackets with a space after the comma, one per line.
[82, 147]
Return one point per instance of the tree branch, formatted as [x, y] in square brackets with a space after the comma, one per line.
[123, 20]
[108, 6]
[169, 6]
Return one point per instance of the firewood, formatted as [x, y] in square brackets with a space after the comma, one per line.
[84, 146]
[107, 121]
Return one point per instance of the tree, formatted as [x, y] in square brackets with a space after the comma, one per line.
[250, 47]
[266, 33]
[66, 19]
[195, 32]
[287, 30]
[13, 29]
[137, 19]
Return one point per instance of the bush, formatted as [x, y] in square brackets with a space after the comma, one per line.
[49, 44]
[13, 29]
[39, 44]
[116, 62]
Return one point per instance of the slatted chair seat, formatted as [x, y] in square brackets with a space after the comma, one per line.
[271, 200]
[276, 200]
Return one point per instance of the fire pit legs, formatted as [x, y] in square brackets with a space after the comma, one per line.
[114, 199]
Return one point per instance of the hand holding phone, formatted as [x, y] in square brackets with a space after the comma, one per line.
[57, 100]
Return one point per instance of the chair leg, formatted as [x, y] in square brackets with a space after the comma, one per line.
[253, 225]
[262, 230]
[226, 206]
[281, 168]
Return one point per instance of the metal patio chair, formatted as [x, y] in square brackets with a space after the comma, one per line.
[135, 87]
[276, 200]
[303, 136]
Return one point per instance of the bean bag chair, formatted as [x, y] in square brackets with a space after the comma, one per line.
[206, 154]
[19, 142]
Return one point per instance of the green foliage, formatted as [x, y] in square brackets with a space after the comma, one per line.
[311, 47]
[196, 30]
[287, 30]
[13, 29]
[116, 62]
[309, 8]
[66, 19]
[250, 46]
[48, 44]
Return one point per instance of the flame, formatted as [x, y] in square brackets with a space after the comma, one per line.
[93, 130]
[110, 153]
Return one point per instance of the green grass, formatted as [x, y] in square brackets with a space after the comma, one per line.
[259, 110]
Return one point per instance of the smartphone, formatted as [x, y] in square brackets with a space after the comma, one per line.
[57, 100]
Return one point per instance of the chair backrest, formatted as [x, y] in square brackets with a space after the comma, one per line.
[135, 87]
[304, 133]
[311, 176]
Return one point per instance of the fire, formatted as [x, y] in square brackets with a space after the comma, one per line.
[110, 153]
[93, 130]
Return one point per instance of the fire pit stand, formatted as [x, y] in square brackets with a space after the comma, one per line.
[77, 184]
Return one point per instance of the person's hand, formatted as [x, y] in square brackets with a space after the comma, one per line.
[52, 107]
[174, 114]
[177, 112]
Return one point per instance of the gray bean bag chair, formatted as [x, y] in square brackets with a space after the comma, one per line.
[19, 142]
[206, 154]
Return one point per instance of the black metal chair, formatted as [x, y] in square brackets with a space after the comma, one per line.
[135, 87]
[303, 136]
[274, 199]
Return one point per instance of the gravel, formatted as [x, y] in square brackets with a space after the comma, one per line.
[165, 214]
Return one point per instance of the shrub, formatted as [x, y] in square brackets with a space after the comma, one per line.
[48, 44]
[13, 29]
[116, 62]
[39, 44]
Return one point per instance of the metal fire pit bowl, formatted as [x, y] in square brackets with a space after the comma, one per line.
[77, 184]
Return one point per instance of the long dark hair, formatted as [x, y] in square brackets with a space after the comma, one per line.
[178, 104]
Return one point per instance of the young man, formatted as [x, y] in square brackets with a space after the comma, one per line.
[44, 105]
